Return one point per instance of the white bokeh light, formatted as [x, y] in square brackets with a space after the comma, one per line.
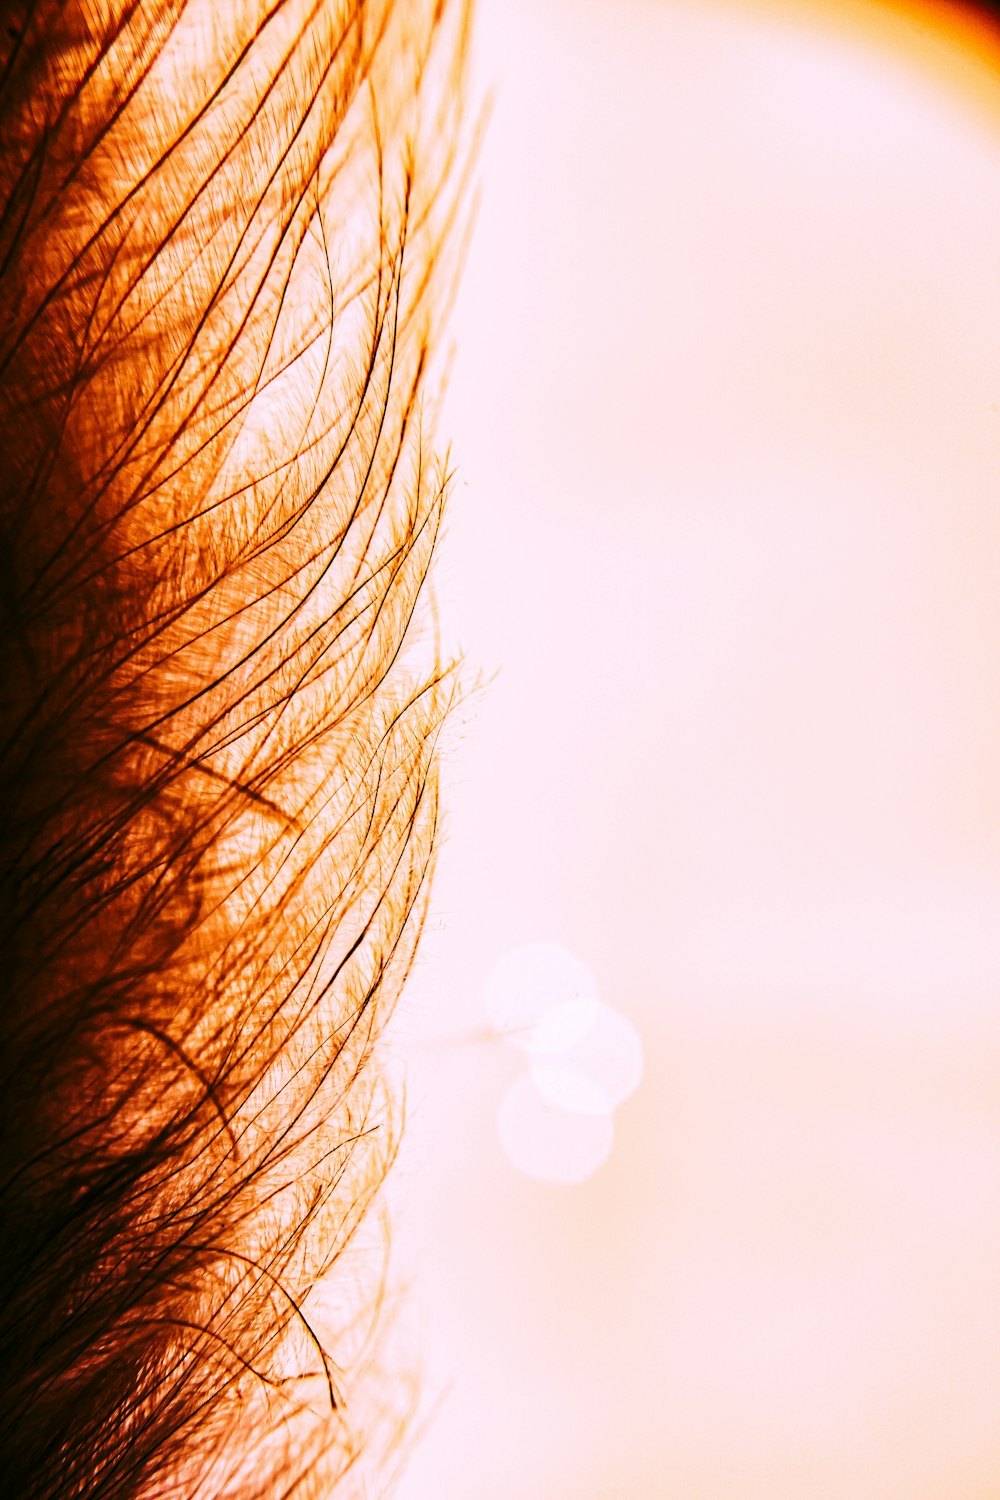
[583, 1060]
[605, 1064]
[549, 1142]
[542, 997]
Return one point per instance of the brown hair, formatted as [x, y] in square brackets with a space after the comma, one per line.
[220, 228]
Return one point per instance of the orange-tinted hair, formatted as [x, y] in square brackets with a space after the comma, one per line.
[220, 228]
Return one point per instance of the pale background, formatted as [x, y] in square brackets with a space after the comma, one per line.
[726, 414]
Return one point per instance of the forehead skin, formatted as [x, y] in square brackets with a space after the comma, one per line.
[756, 447]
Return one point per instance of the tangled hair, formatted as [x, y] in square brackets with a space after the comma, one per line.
[220, 237]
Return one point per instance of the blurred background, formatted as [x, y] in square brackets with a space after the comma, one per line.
[725, 405]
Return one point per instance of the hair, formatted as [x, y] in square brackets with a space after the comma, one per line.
[221, 231]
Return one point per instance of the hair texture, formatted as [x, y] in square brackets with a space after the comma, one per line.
[220, 237]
